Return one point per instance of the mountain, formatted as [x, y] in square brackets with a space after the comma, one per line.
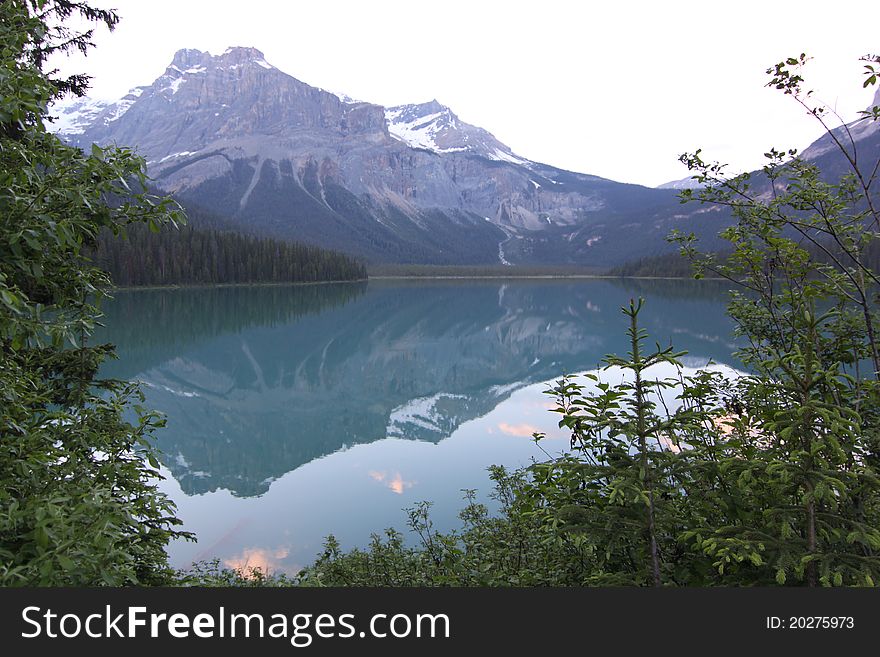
[237, 137]
[683, 183]
[860, 138]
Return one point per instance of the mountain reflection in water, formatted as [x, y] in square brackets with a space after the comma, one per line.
[258, 382]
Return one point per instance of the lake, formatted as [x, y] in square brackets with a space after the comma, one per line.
[294, 412]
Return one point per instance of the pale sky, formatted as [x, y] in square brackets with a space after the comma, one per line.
[615, 89]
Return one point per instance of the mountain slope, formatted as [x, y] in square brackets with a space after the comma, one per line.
[413, 183]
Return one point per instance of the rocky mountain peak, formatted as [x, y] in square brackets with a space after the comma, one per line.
[421, 110]
[204, 101]
[421, 113]
[238, 55]
[188, 57]
[189, 60]
[433, 126]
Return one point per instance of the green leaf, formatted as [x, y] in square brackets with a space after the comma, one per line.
[66, 562]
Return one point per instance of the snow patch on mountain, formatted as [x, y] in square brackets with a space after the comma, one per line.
[173, 86]
[345, 98]
[434, 127]
[420, 131]
[173, 156]
[73, 116]
[501, 156]
[115, 111]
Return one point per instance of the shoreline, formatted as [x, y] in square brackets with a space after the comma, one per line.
[433, 277]
[189, 286]
[543, 276]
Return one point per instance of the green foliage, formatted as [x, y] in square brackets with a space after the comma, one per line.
[211, 573]
[511, 549]
[623, 489]
[806, 300]
[768, 479]
[78, 503]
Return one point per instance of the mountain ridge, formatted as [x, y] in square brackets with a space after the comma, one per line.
[411, 183]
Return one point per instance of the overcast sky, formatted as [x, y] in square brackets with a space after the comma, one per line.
[616, 89]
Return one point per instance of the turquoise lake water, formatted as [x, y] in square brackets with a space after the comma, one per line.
[296, 412]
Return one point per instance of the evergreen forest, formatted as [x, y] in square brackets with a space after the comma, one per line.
[185, 255]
